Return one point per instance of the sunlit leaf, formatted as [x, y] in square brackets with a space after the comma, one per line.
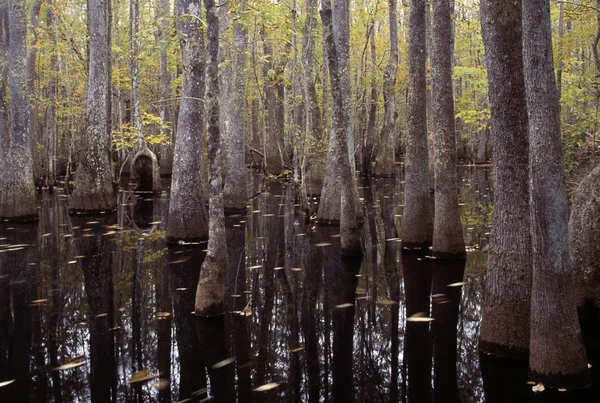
[223, 363]
[5, 383]
[538, 388]
[141, 376]
[266, 387]
[419, 317]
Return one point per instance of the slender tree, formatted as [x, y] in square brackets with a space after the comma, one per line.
[556, 358]
[235, 193]
[385, 165]
[16, 180]
[506, 308]
[211, 285]
[350, 237]
[188, 218]
[448, 239]
[417, 219]
[93, 184]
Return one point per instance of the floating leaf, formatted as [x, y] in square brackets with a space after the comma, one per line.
[385, 302]
[141, 376]
[266, 387]
[419, 317]
[223, 363]
[322, 244]
[5, 383]
[346, 305]
[72, 363]
[538, 388]
[460, 284]
[295, 350]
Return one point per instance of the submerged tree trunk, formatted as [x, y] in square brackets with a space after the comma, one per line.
[211, 284]
[506, 307]
[417, 220]
[386, 157]
[188, 219]
[93, 185]
[235, 193]
[350, 236]
[448, 239]
[16, 180]
[557, 358]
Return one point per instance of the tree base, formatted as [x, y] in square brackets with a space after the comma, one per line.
[579, 380]
[173, 240]
[73, 211]
[415, 246]
[22, 219]
[500, 351]
[449, 255]
[229, 211]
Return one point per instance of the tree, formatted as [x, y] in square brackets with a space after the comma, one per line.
[417, 220]
[188, 218]
[556, 358]
[448, 239]
[342, 173]
[18, 194]
[385, 164]
[235, 193]
[93, 190]
[211, 285]
[506, 308]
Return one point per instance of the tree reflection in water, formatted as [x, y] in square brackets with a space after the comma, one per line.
[301, 324]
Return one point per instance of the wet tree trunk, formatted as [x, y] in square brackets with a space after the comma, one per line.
[506, 308]
[211, 284]
[93, 185]
[165, 110]
[188, 219]
[386, 157]
[448, 239]
[350, 236]
[367, 162]
[50, 139]
[16, 180]
[557, 358]
[417, 220]
[4, 131]
[235, 193]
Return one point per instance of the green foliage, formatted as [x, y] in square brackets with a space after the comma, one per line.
[154, 131]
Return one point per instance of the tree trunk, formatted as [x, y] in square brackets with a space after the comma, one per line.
[211, 284]
[557, 358]
[188, 219]
[386, 157]
[18, 190]
[235, 193]
[165, 110]
[93, 185]
[350, 236]
[448, 239]
[506, 308]
[50, 139]
[367, 163]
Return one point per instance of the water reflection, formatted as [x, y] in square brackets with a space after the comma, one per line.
[107, 297]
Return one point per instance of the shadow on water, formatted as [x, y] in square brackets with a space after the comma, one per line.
[100, 309]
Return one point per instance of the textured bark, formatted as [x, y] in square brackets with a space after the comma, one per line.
[367, 162]
[49, 136]
[506, 308]
[18, 192]
[342, 174]
[417, 220]
[211, 284]
[557, 358]
[385, 164]
[188, 219]
[448, 239]
[93, 185]
[584, 227]
[166, 105]
[235, 193]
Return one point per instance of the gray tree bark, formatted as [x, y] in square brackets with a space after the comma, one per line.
[556, 358]
[49, 136]
[188, 219]
[385, 165]
[350, 236]
[18, 191]
[448, 241]
[166, 104]
[367, 162]
[235, 193]
[417, 220]
[507, 302]
[211, 284]
[93, 185]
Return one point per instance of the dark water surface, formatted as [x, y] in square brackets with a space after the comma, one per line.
[100, 308]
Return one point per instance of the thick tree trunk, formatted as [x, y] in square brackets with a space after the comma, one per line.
[18, 191]
[557, 358]
[166, 104]
[235, 193]
[211, 284]
[385, 164]
[188, 219]
[50, 139]
[506, 308]
[93, 185]
[448, 239]
[367, 162]
[417, 220]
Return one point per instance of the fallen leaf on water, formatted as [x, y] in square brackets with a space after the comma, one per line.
[5, 383]
[223, 363]
[562, 390]
[322, 244]
[141, 376]
[346, 305]
[460, 284]
[38, 301]
[181, 289]
[258, 266]
[385, 302]
[295, 350]
[266, 387]
[296, 269]
[278, 268]
[163, 315]
[538, 388]
[69, 365]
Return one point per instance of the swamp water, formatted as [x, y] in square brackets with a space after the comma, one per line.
[100, 308]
